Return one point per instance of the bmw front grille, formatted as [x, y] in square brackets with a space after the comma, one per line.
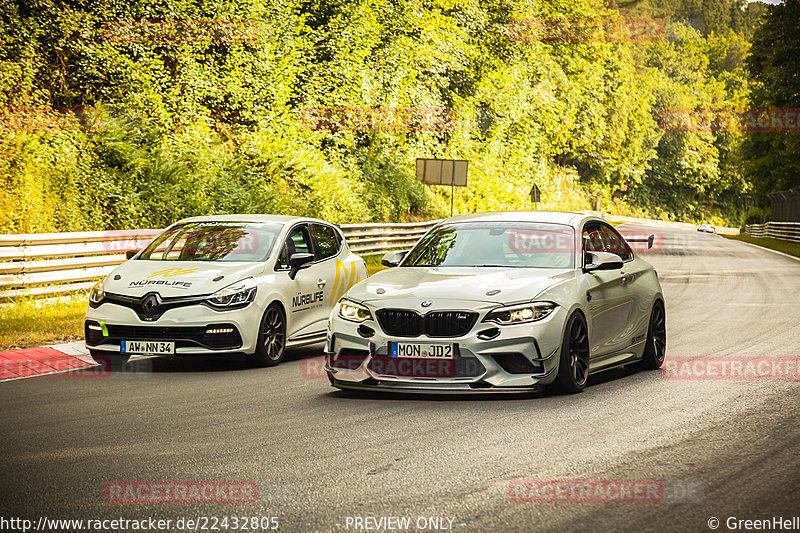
[409, 323]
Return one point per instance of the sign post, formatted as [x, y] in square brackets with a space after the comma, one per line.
[536, 195]
[451, 172]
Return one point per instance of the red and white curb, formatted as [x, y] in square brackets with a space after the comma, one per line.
[44, 360]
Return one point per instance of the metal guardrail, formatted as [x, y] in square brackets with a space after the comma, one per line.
[371, 239]
[668, 224]
[60, 263]
[785, 231]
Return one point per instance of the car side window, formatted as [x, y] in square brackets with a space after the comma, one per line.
[298, 242]
[594, 239]
[616, 244]
[327, 241]
[283, 259]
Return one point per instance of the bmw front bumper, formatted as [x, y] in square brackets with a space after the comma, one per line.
[489, 358]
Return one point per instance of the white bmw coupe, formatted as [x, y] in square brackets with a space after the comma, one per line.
[500, 302]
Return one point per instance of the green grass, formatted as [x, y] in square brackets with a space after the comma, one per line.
[35, 322]
[787, 247]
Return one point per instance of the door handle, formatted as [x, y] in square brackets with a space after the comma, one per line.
[321, 283]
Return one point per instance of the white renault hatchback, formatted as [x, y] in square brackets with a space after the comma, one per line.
[252, 284]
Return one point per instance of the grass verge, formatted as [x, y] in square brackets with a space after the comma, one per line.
[35, 322]
[787, 247]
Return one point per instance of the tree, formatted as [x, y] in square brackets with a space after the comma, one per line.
[774, 66]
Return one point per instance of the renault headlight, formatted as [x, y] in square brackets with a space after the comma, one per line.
[236, 295]
[97, 293]
[520, 314]
[353, 312]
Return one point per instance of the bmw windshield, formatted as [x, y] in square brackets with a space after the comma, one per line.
[213, 241]
[496, 244]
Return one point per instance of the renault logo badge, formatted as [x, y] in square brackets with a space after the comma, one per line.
[150, 304]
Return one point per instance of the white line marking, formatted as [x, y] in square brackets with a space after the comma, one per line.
[768, 249]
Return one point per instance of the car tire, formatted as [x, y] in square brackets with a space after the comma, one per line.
[656, 345]
[110, 361]
[573, 364]
[271, 338]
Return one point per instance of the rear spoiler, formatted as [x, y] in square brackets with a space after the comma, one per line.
[649, 240]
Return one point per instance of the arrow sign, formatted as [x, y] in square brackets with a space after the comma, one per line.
[536, 194]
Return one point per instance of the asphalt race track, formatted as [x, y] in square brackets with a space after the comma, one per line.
[720, 447]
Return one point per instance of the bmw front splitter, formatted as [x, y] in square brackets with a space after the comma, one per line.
[481, 387]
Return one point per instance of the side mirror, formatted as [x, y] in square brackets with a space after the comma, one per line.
[602, 261]
[298, 261]
[130, 254]
[392, 259]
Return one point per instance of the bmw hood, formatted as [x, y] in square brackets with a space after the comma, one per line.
[176, 278]
[489, 285]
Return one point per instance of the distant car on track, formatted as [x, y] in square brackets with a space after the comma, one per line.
[252, 284]
[706, 228]
[500, 302]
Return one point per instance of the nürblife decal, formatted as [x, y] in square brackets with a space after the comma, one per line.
[167, 273]
[307, 300]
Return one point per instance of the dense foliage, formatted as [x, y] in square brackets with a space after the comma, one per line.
[774, 67]
[160, 110]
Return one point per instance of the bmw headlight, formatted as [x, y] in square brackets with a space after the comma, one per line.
[352, 311]
[97, 293]
[236, 295]
[520, 314]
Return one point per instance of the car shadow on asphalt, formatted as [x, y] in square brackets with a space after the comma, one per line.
[212, 363]
[594, 380]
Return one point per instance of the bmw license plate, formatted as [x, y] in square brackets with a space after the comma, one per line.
[147, 347]
[422, 350]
